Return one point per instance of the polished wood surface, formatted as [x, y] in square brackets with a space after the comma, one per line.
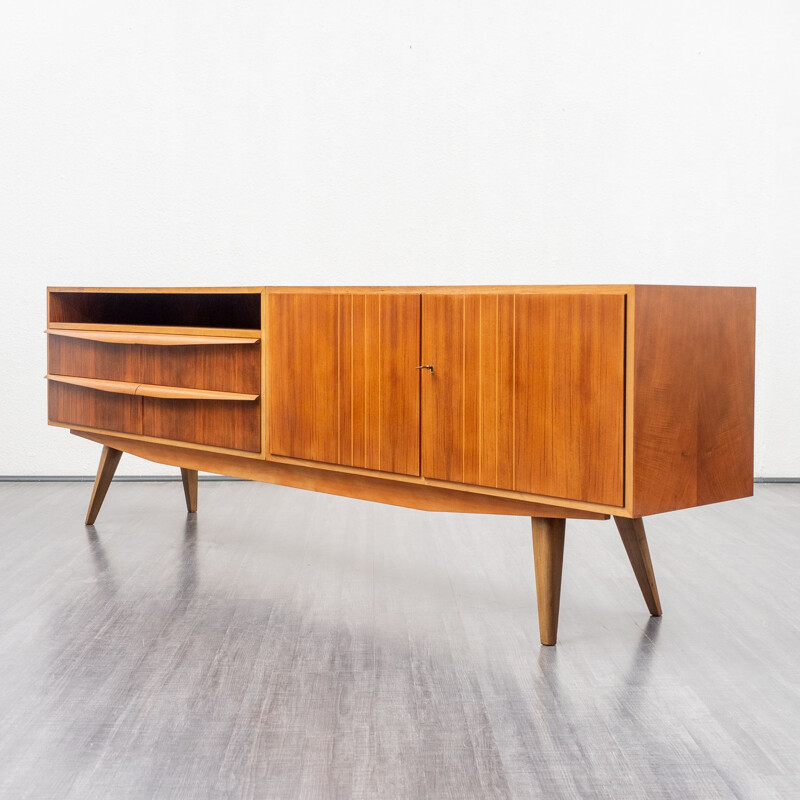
[343, 384]
[141, 337]
[635, 541]
[216, 367]
[79, 405]
[365, 487]
[148, 390]
[693, 368]
[514, 370]
[548, 557]
[112, 387]
[232, 424]
[89, 359]
[109, 459]
[189, 480]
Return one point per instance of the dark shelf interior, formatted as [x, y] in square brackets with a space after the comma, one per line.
[190, 310]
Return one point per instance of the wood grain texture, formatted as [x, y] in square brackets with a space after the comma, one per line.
[140, 337]
[569, 389]
[343, 384]
[149, 390]
[364, 487]
[221, 368]
[189, 481]
[109, 459]
[634, 539]
[548, 557]
[303, 376]
[221, 423]
[90, 359]
[78, 405]
[527, 393]
[694, 357]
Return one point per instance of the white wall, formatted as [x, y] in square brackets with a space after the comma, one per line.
[437, 141]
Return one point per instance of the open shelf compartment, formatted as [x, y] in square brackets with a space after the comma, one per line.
[195, 310]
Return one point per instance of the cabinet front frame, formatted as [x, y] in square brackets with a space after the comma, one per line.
[627, 291]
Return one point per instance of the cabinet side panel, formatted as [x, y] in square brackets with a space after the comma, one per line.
[303, 377]
[694, 359]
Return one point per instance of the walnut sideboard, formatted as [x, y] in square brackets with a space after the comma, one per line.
[552, 402]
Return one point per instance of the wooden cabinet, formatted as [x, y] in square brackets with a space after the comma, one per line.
[343, 383]
[552, 402]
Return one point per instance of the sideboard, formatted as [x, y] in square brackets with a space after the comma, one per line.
[552, 402]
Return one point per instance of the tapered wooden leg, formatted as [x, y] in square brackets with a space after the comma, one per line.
[189, 478]
[635, 541]
[548, 558]
[109, 459]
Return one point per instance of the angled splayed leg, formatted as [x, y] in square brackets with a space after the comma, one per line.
[189, 478]
[109, 459]
[635, 541]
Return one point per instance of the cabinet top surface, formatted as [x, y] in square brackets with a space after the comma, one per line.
[621, 288]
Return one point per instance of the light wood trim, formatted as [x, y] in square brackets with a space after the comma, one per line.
[109, 459]
[211, 448]
[179, 393]
[164, 339]
[635, 540]
[115, 387]
[464, 487]
[148, 390]
[548, 559]
[392, 492]
[158, 289]
[475, 289]
[189, 480]
[251, 334]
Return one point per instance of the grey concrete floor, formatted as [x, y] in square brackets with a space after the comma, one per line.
[285, 644]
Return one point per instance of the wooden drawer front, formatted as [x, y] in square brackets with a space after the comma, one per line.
[86, 359]
[231, 424]
[527, 393]
[77, 405]
[223, 368]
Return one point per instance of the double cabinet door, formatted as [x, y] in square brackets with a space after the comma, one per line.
[526, 392]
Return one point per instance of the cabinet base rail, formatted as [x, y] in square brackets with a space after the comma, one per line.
[548, 523]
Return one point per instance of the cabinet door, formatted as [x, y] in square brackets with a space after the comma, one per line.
[343, 383]
[527, 393]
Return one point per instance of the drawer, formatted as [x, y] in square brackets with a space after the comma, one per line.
[86, 359]
[78, 405]
[219, 367]
[232, 424]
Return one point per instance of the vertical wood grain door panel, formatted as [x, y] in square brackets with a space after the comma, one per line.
[527, 393]
[342, 377]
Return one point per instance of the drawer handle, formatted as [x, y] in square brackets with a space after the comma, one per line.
[163, 339]
[425, 366]
[150, 390]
